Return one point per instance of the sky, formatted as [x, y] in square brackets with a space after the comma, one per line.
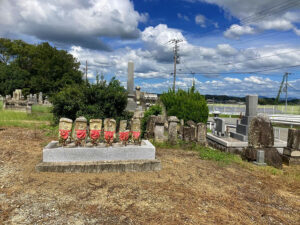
[228, 47]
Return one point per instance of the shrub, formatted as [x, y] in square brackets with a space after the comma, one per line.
[100, 100]
[187, 105]
[153, 110]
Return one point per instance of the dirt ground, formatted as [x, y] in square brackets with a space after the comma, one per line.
[187, 190]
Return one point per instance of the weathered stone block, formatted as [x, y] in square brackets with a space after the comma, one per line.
[261, 133]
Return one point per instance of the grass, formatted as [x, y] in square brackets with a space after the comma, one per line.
[206, 153]
[286, 126]
[289, 173]
[40, 118]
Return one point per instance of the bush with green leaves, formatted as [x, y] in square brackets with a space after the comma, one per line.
[100, 100]
[153, 110]
[187, 105]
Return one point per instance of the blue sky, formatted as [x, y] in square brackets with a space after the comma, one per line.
[223, 40]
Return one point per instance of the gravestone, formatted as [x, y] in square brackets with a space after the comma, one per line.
[201, 133]
[159, 129]
[261, 138]
[150, 127]
[41, 98]
[291, 153]
[172, 129]
[242, 127]
[219, 127]
[34, 99]
[189, 133]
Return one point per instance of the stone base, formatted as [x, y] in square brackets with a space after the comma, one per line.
[53, 153]
[259, 164]
[99, 167]
[238, 136]
[289, 160]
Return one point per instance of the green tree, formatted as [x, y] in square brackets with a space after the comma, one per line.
[102, 100]
[47, 69]
[187, 105]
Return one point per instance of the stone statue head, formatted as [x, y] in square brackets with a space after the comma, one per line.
[95, 124]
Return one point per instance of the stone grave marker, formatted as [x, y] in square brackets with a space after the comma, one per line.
[291, 153]
[159, 129]
[172, 131]
[261, 137]
[201, 133]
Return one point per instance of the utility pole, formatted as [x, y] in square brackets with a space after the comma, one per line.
[286, 90]
[175, 41]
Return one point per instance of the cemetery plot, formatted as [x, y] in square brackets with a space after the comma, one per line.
[188, 190]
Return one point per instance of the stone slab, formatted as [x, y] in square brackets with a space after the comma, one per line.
[99, 167]
[51, 153]
[290, 160]
[239, 137]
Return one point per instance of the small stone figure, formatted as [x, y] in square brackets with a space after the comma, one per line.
[123, 133]
[80, 131]
[95, 130]
[136, 131]
[109, 131]
[65, 128]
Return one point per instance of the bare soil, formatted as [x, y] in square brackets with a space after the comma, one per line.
[187, 190]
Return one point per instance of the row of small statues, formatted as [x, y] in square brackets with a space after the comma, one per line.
[94, 132]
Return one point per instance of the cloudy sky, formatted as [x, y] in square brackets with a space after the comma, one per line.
[230, 47]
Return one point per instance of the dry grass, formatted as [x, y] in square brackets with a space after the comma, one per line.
[188, 190]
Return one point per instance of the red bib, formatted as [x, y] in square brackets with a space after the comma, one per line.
[64, 134]
[81, 134]
[95, 134]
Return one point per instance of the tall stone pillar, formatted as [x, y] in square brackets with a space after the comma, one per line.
[130, 78]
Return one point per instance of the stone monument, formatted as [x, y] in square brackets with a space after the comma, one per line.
[131, 104]
[159, 129]
[291, 153]
[261, 138]
[123, 132]
[242, 128]
[201, 134]
[172, 129]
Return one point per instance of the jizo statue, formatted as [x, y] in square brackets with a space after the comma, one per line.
[65, 128]
[123, 133]
[109, 131]
[80, 131]
[95, 130]
[136, 131]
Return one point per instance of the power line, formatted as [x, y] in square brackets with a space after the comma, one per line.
[245, 72]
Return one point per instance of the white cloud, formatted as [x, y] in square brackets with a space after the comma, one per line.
[235, 31]
[262, 15]
[201, 20]
[71, 21]
[232, 80]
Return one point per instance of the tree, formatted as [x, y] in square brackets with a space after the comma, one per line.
[102, 100]
[47, 69]
[187, 105]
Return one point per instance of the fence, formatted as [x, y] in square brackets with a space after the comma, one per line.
[261, 109]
